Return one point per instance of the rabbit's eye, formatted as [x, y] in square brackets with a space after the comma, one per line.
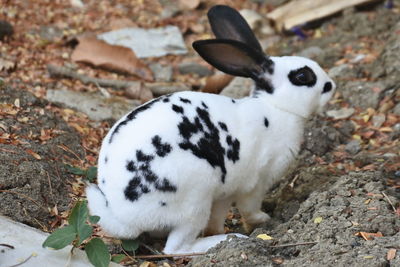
[303, 76]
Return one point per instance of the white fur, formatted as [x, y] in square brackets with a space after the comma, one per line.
[202, 200]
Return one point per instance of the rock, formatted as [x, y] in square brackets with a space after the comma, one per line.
[97, 107]
[270, 41]
[339, 114]
[311, 52]
[357, 58]
[194, 68]
[6, 29]
[396, 109]
[50, 33]
[338, 71]
[362, 94]
[161, 88]
[239, 87]
[154, 42]
[162, 73]
[378, 120]
[353, 147]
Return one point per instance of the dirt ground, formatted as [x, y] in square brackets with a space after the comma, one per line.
[339, 206]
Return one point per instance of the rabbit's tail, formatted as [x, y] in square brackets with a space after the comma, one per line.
[98, 205]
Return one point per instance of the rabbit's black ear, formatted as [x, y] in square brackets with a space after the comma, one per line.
[227, 23]
[233, 57]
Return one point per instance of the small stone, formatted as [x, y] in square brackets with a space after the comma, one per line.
[239, 87]
[397, 174]
[378, 120]
[353, 147]
[161, 73]
[338, 71]
[339, 114]
[50, 33]
[193, 67]
[396, 109]
[311, 52]
[357, 58]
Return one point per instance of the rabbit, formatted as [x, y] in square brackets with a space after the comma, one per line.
[178, 162]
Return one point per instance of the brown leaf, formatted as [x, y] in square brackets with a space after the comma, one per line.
[369, 236]
[33, 154]
[6, 65]
[391, 254]
[139, 91]
[113, 57]
[216, 82]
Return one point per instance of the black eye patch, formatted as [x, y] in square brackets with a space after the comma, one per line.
[303, 77]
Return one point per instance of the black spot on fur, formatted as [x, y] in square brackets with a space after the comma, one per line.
[162, 149]
[103, 181]
[264, 85]
[266, 122]
[166, 100]
[185, 100]
[105, 160]
[132, 115]
[204, 105]
[177, 109]
[130, 191]
[208, 146]
[144, 178]
[140, 156]
[104, 195]
[223, 126]
[165, 186]
[130, 166]
[233, 150]
[233, 101]
[163, 204]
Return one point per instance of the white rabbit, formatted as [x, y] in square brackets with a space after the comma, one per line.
[178, 162]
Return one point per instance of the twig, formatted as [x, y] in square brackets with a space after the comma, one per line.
[153, 250]
[158, 88]
[291, 184]
[7, 246]
[295, 244]
[19, 264]
[23, 196]
[167, 256]
[390, 202]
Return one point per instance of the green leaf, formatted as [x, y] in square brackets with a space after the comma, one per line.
[130, 245]
[97, 253]
[91, 174]
[84, 232]
[75, 170]
[118, 258]
[94, 219]
[60, 238]
[78, 215]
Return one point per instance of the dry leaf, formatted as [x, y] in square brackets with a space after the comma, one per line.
[6, 65]
[369, 236]
[114, 57]
[391, 254]
[265, 237]
[318, 220]
[278, 260]
[216, 82]
[33, 154]
[139, 91]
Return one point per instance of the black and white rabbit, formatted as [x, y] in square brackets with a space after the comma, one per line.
[176, 163]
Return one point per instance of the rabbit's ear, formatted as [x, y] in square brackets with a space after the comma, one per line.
[227, 23]
[233, 57]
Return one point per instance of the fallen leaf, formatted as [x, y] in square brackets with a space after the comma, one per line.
[278, 260]
[6, 65]
[33, 154]
[216, 82]
[265, 237]
[369, 236]
[113, 57]
[318, 220]
[391, 254]
[368, 257]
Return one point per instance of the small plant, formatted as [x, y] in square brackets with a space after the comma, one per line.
[77, 232]
[90, 174]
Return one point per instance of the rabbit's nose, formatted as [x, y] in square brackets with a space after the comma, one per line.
[327, 87]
